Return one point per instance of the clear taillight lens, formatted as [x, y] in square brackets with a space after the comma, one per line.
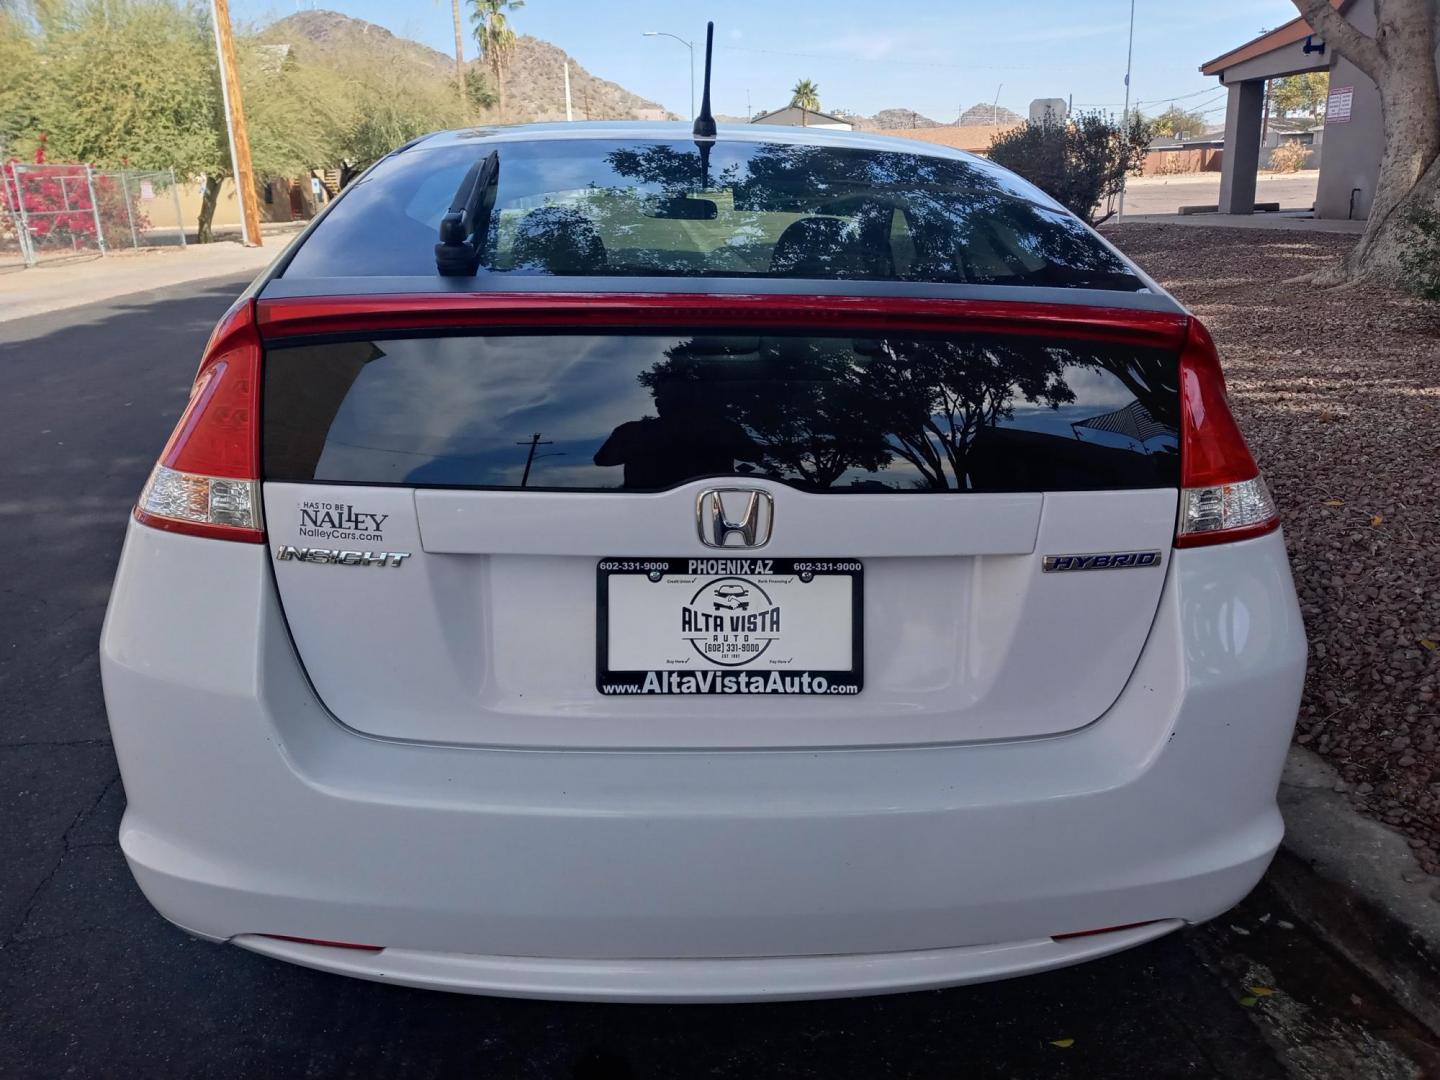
[220, 501]
[1222, 497]
[1225, 512]
[207, 482]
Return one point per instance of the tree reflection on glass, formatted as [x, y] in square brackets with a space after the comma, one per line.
[818, 408]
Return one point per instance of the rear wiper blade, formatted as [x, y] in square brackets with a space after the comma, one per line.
[463, 228]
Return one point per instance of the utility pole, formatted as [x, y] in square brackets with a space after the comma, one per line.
[569, 110]
[1125, 116]
[995, 108]
[532, 442]
[235, 123]
[1265, 116]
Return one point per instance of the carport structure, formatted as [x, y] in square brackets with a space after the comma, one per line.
[1354, 137]
[1291, 49]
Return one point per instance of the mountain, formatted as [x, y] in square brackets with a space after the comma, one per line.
[329, 34]
[888, 119]
[984, 113]
[535, 89]
[534, 82]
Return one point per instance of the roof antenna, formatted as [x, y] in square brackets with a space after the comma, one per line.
[704, 122]
[704, 130]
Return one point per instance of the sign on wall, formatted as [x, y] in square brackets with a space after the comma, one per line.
[1337, 105]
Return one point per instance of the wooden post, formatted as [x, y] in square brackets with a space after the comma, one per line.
[235, 122]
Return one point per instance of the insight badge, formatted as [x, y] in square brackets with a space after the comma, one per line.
[335, 557]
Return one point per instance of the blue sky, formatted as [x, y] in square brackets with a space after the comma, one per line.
[934, 57]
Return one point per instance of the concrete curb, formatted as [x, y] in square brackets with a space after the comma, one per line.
[1356, 883]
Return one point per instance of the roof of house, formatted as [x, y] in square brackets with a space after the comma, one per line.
[822, 117]
[1285, 34]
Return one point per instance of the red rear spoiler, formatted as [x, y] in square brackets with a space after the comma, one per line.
[304, 316]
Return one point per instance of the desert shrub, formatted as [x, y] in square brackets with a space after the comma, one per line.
[1419, 253]
[1289, 157]
[1078, 161]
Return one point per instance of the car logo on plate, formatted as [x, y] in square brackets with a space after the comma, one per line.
[730, 621]
[742, 515]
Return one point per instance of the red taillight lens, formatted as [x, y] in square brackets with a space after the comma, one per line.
[207, 481]
[1222, 496]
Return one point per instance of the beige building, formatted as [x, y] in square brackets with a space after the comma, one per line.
[795, 116]
[1353, 136]
[280, 200]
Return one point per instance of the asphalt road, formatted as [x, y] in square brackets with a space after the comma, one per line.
[95, 984]
[1166, 194]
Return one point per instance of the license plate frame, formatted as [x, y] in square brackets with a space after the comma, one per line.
[734, 602]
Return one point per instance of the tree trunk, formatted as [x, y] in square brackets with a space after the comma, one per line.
[459, 50]
[204, 231]
[1400, 60]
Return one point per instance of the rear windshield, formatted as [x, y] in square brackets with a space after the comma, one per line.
[644, 412]
[592, 207]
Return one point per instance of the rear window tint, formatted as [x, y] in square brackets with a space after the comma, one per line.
[593, 207]
[645, 412]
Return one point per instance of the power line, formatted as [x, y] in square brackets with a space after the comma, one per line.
[853, 59]
[1198, 107]
[1158, 101]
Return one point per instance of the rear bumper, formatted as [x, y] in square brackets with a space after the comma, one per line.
[775, 978]
[719, 875]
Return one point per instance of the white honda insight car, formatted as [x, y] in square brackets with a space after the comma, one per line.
[601, 563]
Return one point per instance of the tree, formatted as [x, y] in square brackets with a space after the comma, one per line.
[1080, 161]
[1179, 124]
[134, 83]
[126, 83]
[460, 80]
[1400, 60]
[495, 38]
[1300, 94]
[478, 92]
[805, 95]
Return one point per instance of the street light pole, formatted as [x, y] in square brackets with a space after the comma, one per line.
[1125, 115]
[689, 45]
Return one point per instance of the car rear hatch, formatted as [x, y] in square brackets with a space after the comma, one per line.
[488, 514]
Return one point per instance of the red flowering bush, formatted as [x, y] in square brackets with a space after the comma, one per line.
[58, 209]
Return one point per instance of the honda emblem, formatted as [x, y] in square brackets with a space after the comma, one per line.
[741, 514]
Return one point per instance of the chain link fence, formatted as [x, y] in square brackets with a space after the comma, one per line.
[52, 212]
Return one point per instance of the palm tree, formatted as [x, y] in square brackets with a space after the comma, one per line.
[495, 38]
[459, 48]
[806, 95]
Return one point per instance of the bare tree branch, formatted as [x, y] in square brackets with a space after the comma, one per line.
[1340, 34]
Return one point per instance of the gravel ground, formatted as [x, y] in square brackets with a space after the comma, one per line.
[1338, 392]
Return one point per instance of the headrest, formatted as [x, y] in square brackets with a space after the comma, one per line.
[825, 247]
[558, 240]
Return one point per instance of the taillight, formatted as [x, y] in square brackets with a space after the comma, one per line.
[207, 481]
[1222, 496]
